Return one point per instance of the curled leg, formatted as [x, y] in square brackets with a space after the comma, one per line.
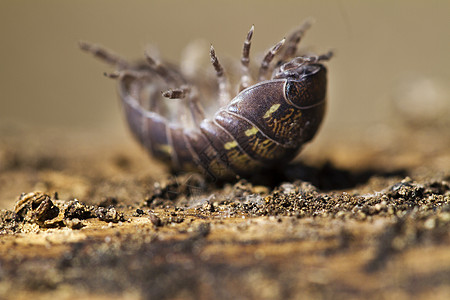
[224, 95]
[268, 59]
[245, 61]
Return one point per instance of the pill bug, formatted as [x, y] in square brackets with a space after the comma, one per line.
[264, 126]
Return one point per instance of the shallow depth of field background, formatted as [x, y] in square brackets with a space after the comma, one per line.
[388, 54]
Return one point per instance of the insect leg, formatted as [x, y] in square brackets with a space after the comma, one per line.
[316, 58]
[196, 109]
[105, 55]
[301, 60]
[268, 58]
[186, 92]
[294, 39]
[245, 60]
[224, 95]
[171, 76]
[325, 56]
[172, 79]
[178, 93]
[298, 62]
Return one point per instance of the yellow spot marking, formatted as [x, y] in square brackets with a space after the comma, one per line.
[165, 148]
[251, 131]
[241, 161]
[230, 145]
[271, 110]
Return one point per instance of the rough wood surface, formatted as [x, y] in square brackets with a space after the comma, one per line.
[351, 223]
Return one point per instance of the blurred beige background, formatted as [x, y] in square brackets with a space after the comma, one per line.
[382, 49]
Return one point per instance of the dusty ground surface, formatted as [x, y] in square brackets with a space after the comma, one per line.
[346, 222]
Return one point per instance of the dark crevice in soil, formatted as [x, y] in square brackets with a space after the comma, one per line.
[325, 177]
[329, 177]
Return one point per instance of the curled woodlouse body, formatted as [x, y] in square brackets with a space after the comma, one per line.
[264, 125]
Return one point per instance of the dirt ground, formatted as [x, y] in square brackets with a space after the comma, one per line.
[106, 221]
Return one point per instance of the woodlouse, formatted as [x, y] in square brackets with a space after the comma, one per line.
[264, 125]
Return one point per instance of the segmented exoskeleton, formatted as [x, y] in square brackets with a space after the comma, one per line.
[264, 125]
